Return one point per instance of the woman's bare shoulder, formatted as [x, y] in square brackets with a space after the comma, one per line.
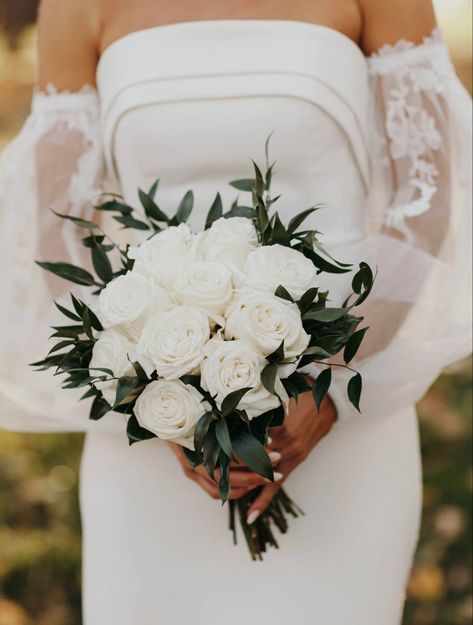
[68, 43]
[389, 21]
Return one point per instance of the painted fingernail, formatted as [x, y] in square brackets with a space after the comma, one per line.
[278, 476]
[270, 440]
[274, 456]
[252, 517]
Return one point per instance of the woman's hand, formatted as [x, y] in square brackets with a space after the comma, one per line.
[303, 428]
[242, 479]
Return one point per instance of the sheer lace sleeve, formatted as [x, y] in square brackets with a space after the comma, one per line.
[54, 163]
[419, 220]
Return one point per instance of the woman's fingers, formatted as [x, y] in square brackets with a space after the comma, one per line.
[265, 497]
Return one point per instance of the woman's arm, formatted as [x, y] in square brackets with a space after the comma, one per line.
[68, 43]
[388, 21]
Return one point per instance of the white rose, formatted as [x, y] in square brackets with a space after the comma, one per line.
[172, 341]
[205, 285]
[263, 321]
[171, 410]
[229, 240]
[128, 301]
[269, 266]
[124, 299]
[164, 255]
[232, 365]
[111, 351]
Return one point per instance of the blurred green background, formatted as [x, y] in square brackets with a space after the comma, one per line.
[40, 533]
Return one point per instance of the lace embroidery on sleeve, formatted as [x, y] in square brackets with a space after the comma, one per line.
[410, 78]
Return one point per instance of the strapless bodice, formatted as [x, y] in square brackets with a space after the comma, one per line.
[192, 102]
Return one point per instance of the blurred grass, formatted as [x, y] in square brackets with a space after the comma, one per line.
[40, 534]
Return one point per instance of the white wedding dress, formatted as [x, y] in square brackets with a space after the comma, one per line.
[384, 143]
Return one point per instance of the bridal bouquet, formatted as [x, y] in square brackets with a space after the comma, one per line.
[198, 338]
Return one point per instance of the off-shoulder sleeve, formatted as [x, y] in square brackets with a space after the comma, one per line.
[54, 163]
[419, 224]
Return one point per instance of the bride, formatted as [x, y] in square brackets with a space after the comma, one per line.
[368, 118]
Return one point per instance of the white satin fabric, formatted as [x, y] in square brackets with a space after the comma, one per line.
[384, 143]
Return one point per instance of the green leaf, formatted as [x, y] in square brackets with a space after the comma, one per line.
[152, 210]
[321, 263]
[278, 354]
[299, 219]
[201, 429]
[78, 305]
[185, 207]
[82, 223]
[211, 452]
[283, 293]
[279, 234]
[101, 264]
[87, 323]
[232, 400]
[321, 386]
[307, 299]
[153, 188]
[296, 384]
[224, 480]
[259, 180]
[326, 315]
[318, 351]
[69, 272]
[362, 283]
[223, 437]
[130, 222]
[262, 219]
[194, 457]
[136, 433]
[353, 345]
[268, 377]
[354, 390]
[252, 452]
[215, 212]
[241, 211]
[92, 392]
[115, 206]
[99, 408]
[125, 387]
[67, 313]
[244, 184]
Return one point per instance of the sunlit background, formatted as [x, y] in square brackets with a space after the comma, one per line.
[40, 541]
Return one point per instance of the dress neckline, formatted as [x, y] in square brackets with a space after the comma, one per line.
[117, 43]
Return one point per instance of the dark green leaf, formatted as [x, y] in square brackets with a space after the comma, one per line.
[115, 206]
[283, 293]
[153, 189]
[201, 429]
[307, 299]
[194, 457]
[299, 219]
[321, 386]
[82, 223]
[326, 315]
[241, 211]
[279, 234]
[131, 222]
[185, 208]
[125, 387]
[67, 312]
[268, 377]
[99, 408]
[136, 433]
[224, 480]
[69, 272]
[232, 400]
[102, 265]
[252, 452]
[278, 354]
[353, 345]
[223, 437]
[211, 452]
[215, 212]
[354, 390]
[244, 184]
[152, 210]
